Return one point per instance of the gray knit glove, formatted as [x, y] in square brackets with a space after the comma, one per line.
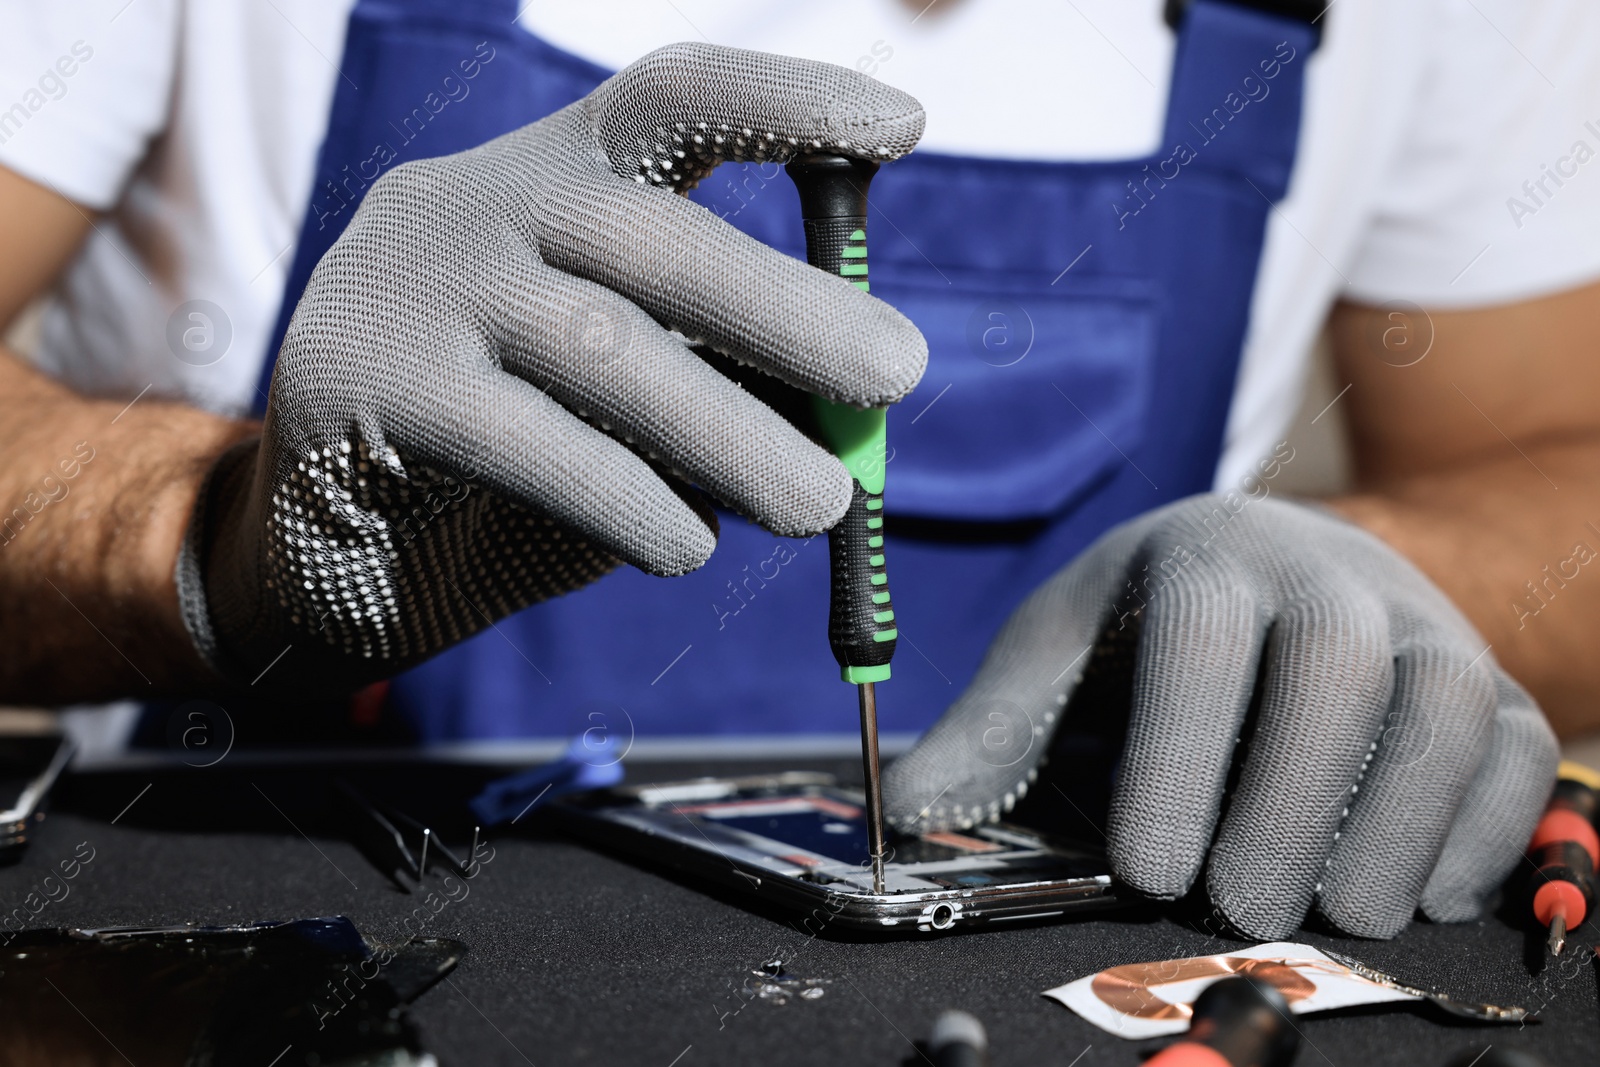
[487, 396]
[1391, 762]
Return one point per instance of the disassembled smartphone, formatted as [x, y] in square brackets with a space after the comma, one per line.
[800, 841]
[29, 766]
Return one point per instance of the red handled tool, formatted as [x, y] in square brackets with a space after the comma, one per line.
[1566, 851]
[1238, 1022]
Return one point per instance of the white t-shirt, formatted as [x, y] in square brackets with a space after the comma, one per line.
[1444, 155]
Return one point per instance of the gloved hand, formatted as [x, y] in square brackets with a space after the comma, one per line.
[479, 403]
[1391, 762]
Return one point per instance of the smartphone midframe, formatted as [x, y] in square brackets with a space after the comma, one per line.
[30, 763]
[798, 841]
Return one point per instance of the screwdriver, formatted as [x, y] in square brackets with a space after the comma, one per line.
[1237, 1022]
[1566, 851]
[861, 630]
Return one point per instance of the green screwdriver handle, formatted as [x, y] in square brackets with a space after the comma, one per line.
[861, 630]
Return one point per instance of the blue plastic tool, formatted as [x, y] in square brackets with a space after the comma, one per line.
[593, 760]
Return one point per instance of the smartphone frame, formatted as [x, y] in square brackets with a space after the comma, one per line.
[17, 822]
[619, 819]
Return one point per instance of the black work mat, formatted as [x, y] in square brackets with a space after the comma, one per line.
[577, 957]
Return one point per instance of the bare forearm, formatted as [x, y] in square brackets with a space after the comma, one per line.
[1515, 541]
[94, 499]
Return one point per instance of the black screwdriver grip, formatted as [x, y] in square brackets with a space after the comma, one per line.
[839, 246]
[861, 628]
[1575, 796]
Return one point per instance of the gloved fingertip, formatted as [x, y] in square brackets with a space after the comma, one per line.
[1254, 906]
[905, 361]
[882, 121]
[877, 359]
[1126, 854]
[1258, 924]
[696, 502]
[1452, 904]
[800, 100]
[1355, 916]
[673, 535]
[1144, 854]
[812, 500]
[951, 781]
[684, 553]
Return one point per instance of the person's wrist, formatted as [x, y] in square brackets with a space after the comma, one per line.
[98, 494]
[148, 518]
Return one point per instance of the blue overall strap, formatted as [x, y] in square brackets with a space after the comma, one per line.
[420, 78]
[1228, 103]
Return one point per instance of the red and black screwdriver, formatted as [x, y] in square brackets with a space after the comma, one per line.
[1237, 1022]
[1566, 851]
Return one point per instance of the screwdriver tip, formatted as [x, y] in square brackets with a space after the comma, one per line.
[1558, 935]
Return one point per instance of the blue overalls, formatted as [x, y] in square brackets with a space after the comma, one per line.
[1084, 324]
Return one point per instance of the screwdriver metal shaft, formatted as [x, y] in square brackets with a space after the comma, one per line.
[861, 628]
[1558, 934]
[867, 693]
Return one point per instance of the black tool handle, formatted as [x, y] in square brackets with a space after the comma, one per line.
[861, 628]
[1237, 1022]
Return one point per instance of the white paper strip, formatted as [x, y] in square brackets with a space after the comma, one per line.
[1141, 1000]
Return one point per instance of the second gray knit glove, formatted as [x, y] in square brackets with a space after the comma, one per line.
[487, 397]
[1390, 762]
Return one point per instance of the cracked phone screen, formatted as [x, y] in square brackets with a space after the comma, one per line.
[224, 995]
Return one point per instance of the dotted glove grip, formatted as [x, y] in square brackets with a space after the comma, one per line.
[485, 399]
